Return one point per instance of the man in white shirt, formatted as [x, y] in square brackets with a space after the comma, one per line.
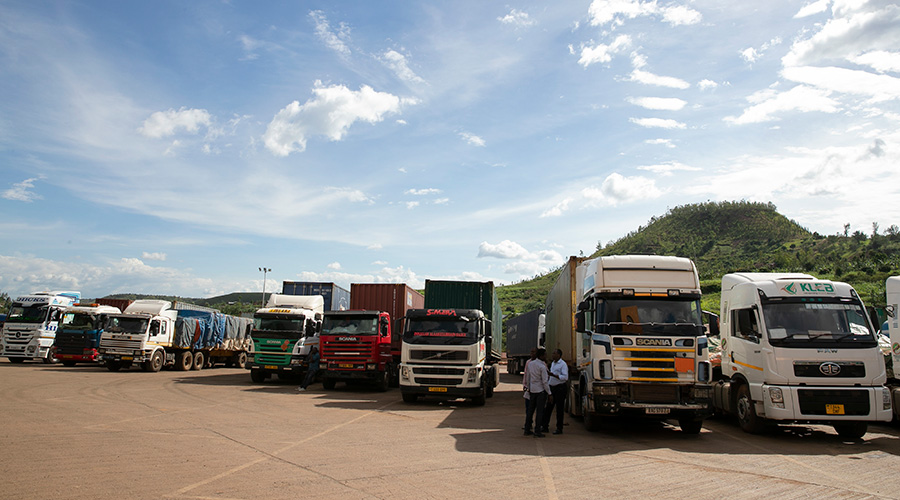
[537, 381]
[559, 375]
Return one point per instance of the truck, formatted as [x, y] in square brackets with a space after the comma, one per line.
[630, 328]
[451, 348]
[283, 334]
[892, 292]
[30, 326]
[796, 349]
[365, 342]
[158, 333]
[79, 331]
[524, 334]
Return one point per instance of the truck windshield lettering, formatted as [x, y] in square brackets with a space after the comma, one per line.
[441, 332]
[798, 323]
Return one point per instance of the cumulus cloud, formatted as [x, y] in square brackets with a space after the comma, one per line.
[768, 105]
[661, 142]
[472, 139]
[22, 191]
[334, 265]
[330, 113]
[557, 209]
[422, 192]
[657, 123]
[752, 54]
[506, 249]
[812, 8]
[881, 61]
[602, 12]
[875, 87]
[668, 168]
[707, 84]
[602, 53]
[648, 78]
[617, 189]
[153, 256]
[398, 64]
[333, 38]
[517, 18]
[658, 103]
[398, 274]
[166, 123]
[526, 263]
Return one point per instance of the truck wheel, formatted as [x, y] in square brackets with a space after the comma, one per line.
[16, 360]
[155, 363]
[50, 358]
[852, 430]
[590, 420]
[410, 398]
[69, 363]
[328, 383]
[199, 360]
[241, 360]
[489, 387]
[257, 376]
[184, 360]
[383, 382]
[690, 425]
[481, 398]
[746, 412]
[113, 366]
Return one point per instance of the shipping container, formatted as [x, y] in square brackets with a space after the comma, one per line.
[336, 298]
[468, 295]
[560, 309]
[392, 298]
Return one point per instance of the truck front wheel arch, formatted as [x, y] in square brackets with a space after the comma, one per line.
[745, 408]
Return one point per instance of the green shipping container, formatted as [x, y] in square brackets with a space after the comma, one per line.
[469, 295]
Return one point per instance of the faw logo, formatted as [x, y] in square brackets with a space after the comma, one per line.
[795, 288]
[656, 342]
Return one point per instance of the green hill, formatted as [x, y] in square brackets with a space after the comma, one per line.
[742, 236]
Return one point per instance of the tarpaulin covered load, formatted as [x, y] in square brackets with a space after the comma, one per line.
[211, 330]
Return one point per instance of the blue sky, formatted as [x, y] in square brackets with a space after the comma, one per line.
[176, 147]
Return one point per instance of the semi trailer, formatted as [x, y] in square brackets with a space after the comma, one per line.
[524, 334]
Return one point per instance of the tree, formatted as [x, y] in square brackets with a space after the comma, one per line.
[5, 302]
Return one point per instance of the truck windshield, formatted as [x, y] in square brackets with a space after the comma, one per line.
[27, 314]
[650, 316]
[815, 324]
[80, 321]
[121, 324]
[278, 327]
[451, 331]
[356, 326]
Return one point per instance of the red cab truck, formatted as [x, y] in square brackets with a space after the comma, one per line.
[364, 343]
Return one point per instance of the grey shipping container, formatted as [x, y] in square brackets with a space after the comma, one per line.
[468, 295]
[393, 298]
[336, 298]
[522, 333]
[560, 310]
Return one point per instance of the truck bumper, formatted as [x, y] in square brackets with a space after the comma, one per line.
[351, 374]
[826, 404]
[92, 357]
[624, 399]
[292, 369]
[442, 391]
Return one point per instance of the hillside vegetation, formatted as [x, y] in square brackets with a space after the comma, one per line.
[743, 236]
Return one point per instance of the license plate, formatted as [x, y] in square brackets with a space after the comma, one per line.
[345, 365]
[270, 367]
[437, 389]
[834, 409]
[656, 411]
[127, 358]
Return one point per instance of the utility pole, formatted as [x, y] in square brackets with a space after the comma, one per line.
[265, 271]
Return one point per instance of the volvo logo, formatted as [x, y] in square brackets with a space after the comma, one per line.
[830, 369]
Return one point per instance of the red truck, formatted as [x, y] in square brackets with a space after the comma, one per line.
[363, 344]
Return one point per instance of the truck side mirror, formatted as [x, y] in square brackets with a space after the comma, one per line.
[890, 310]
[579, 321]
[713, 323]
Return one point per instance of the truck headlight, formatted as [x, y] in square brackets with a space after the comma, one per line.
[606, 371]
[370, 366]
[473, 373]
[776, 396]
[609, 390]
[404, 372]
[296, 361]
[701, 392]
[138, 353]
[885, 398]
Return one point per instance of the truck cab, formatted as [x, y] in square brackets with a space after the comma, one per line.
[140, 336]
[448, 353]
[356, 345]
[283, 334]
[31, 324]
[796, 349]
[79, 331]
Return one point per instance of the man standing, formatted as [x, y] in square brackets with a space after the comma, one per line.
[537, 382]
[559, 374]
[311, 369]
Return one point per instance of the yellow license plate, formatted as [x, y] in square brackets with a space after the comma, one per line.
[127, 358]
[834, 409]
[437, 389]
[270, 367]
[345, 365]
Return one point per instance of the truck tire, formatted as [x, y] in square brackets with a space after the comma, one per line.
[199, 360]
[16, 360]
[69, 363]
[184, 360]
[328, 383]
[257, 376]
[410, 398]
[851, 430]
[590, 420]
[690, 425]
[241, 360]
[480, 399]
[745, 409]
[113, 366]
[50, 358]
[383, 382]
[155, 363]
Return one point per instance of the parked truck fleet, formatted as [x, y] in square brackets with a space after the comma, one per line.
[31, 324]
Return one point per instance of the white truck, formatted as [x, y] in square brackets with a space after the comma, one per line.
[157, 333]
[796, 349]
[30, 327]
[637, 346]
[892, 289]
[283, 334]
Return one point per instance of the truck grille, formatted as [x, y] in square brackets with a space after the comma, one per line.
[435, 355]
[73, 343]
[814, 401]
[438, 381]
[121, 345]
[434, 370]
[361, 350]
[848, 369]
[655, 393]
[652, 364]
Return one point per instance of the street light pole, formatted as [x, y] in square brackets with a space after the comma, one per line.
[264, 270]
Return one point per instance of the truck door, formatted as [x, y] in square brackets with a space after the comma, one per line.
[745, 351]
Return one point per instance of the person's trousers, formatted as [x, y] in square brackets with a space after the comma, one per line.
[538, 401]
[559, 402]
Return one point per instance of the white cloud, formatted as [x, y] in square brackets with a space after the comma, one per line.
[22, 191]
[153, 256]
[752, 54]
[812, 8]
[668, 168]
[412, 204]
[678, 15]
[506, 249]
[334, 265]
[605, 11]
[658, 103]
[749, 54]
[881, 61]
[422, 192]
[166, 123]
[441, 201]
[398, 64]
[617, 189]
[661, 142]
[601, 53]
[557, 209]
[526, 263]
[385, 275]
[771, 104]
[472, 139]
[647, 78]
[707, 84]
[330, 113]
[876, 87]
[657, 123]
[333, 39]
[517, 18]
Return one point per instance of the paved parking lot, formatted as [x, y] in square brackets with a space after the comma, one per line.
[84, 432]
